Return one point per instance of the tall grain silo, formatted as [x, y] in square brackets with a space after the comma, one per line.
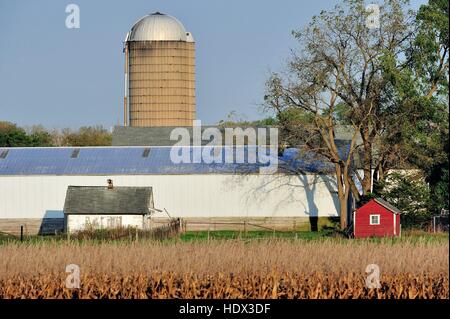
[159, 73]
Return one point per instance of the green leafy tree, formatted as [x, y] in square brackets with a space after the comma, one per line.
[430, 56]
[411, 195]
[87, 136]
[13, 136]
[39, 136]
[416, 130]
[234, 120]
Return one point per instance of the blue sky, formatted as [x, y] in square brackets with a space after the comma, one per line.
[61, 77]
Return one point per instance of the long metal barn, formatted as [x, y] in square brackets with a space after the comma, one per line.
[34, 181]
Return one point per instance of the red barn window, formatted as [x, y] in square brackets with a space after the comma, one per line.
[374, 219]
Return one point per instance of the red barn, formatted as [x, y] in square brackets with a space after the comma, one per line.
[376, 218]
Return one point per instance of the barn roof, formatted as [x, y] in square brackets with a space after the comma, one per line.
[101, 200]
[144, 161]
[160, 135]
[386, 205]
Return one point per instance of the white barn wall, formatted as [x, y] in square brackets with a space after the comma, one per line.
[205, 195]
[79, 222]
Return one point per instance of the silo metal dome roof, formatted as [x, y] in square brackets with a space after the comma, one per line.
[157, 27]
[189, 37]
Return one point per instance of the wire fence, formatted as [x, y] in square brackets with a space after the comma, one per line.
[168, 230]
[241, 228]
[441, 222]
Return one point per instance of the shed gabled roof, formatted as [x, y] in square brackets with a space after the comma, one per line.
[386, 205]
[101, 200]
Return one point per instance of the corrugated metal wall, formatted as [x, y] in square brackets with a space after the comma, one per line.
[183, 195]
[161, 83]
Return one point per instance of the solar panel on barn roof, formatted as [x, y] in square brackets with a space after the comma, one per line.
[130, 160]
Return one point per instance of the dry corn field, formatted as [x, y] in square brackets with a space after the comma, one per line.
[225, 269]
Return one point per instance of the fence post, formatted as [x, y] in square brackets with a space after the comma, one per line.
[21, 233]
[245, 228]
[434, 224]
[209, 225]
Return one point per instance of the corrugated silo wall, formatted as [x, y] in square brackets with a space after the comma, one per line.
[191, 82]
[162, 83]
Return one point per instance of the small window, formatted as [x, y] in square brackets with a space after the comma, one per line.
[75, 153]
[146, 152]
[374, 219]
[4, 153]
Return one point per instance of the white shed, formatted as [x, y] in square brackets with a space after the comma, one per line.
[98, 207]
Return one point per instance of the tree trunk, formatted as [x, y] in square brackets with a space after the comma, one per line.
[340, 179]
[343, 213]
[367, 163]
[354, 189]
[381, 174]
[378, 173]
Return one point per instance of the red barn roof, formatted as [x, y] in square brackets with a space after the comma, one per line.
[387, 205]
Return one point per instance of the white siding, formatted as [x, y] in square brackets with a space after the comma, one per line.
[204, 195]
[79, 222]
